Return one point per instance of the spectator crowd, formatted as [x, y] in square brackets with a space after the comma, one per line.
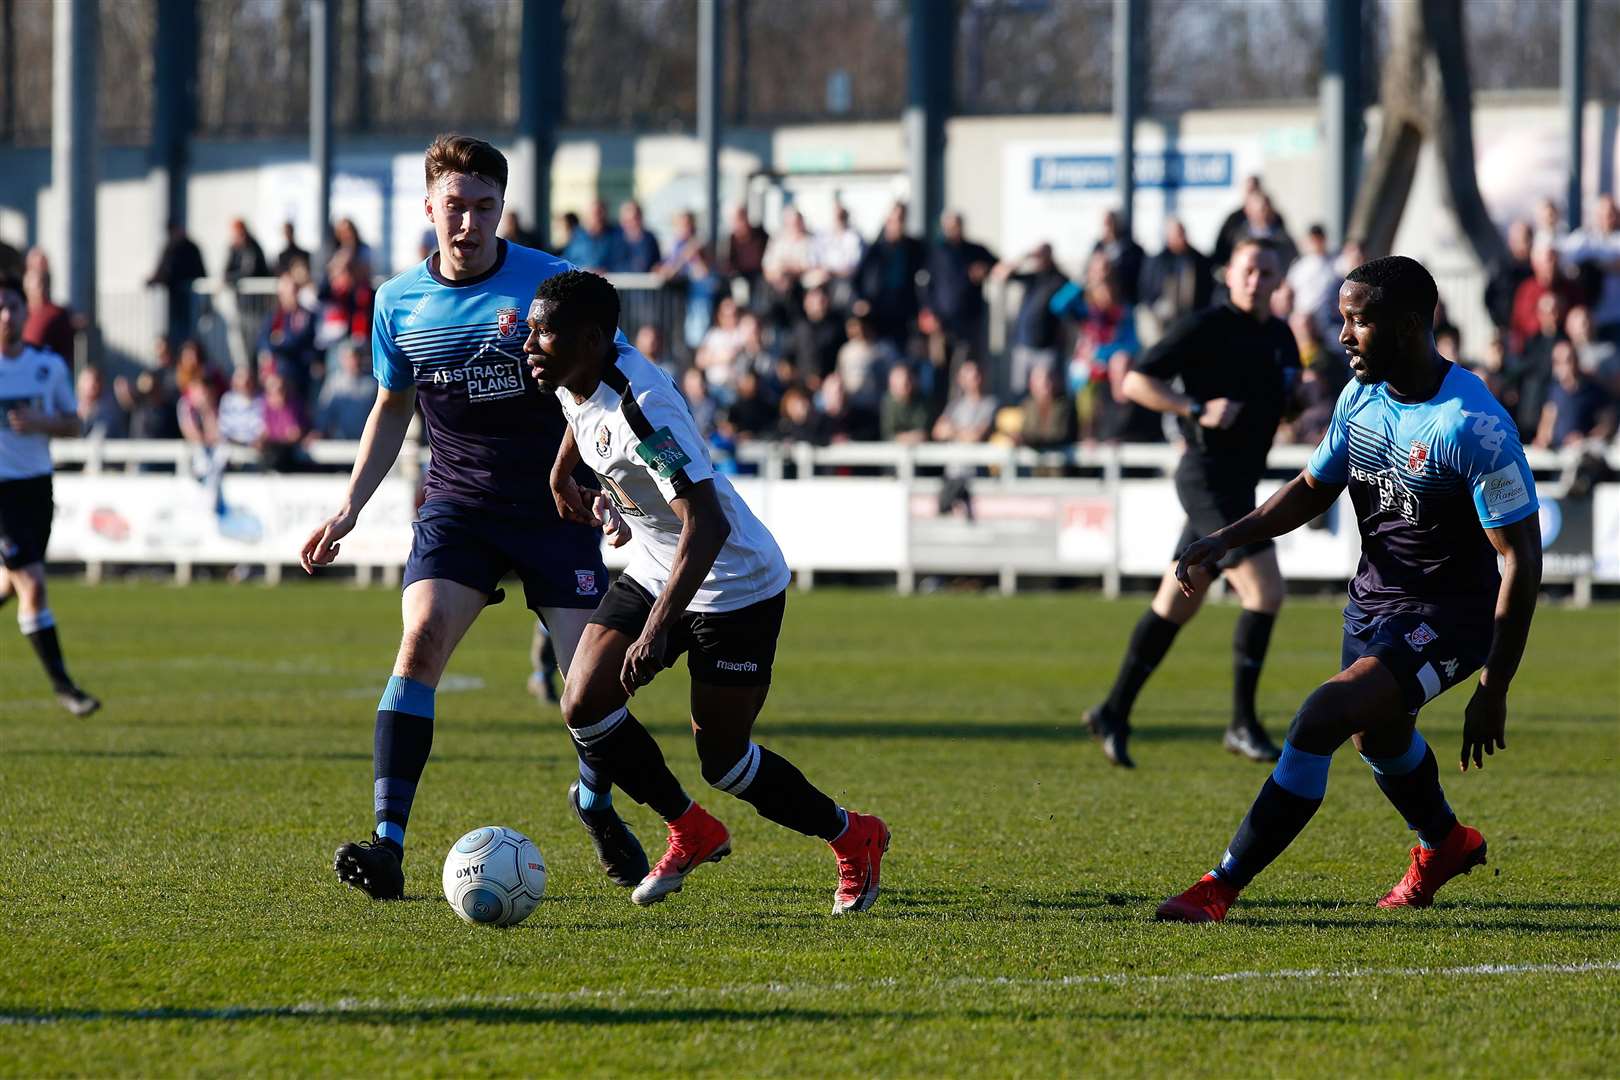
[815, 333]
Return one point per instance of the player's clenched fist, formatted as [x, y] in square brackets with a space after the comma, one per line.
[1202, 553]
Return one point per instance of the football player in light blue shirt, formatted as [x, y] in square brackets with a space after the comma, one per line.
[1441, 489]
[447, 337]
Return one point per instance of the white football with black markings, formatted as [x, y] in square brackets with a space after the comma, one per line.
[494, 876]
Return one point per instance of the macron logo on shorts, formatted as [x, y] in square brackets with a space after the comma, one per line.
[733, 665]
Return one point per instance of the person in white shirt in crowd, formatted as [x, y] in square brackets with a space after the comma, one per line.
[241, 408]
[1598, 246]
[717, 353]
[838, 250]
[1315, 281]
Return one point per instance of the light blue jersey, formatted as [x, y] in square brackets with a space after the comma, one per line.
[493, 433]
[1427, 478]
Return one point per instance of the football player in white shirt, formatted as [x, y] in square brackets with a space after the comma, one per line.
[36, 403]
[705, 578]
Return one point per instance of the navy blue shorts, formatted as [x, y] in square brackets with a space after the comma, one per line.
[1427, 654]
[560, 564]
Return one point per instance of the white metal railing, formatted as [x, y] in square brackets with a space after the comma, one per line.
[770, 458]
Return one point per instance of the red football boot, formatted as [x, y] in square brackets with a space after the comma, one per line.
[1463, 849]
[1206, 901]
[696, 837]
[860, 856]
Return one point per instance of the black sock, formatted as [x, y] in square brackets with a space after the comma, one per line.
[400, 748]
[41, 634]
[1285, 804]
[1149, 642]
[776, 788]
[548, 659]
[1250, 638]
[1411, 782]
[619, 747]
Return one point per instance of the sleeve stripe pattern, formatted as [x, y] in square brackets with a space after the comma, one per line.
[637, 420]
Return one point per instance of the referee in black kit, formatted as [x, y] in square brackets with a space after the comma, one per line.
[1237, 364]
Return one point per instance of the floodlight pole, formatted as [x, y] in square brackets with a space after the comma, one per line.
[322, 31]
[1572, 90]
[1130, 57]
[540, 105]
[1341, 114]
[711, 65]
[75, 157]
[930, 44]
[174, 103]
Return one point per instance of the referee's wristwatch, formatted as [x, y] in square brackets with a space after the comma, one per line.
[1195, 410]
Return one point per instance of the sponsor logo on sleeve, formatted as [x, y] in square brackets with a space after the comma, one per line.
[1505, 491]
[1420, 636]
[662, 453]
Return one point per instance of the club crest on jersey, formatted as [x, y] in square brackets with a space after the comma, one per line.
[1416, 457]
[585, 582]
[1421, 636]
[604, 440]
[506, 321]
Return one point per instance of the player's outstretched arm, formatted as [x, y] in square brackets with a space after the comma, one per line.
[1303, 499]
[379, 448]
[704, 529]
[1485, 721]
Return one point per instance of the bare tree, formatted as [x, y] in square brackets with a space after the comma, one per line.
[1425, 94]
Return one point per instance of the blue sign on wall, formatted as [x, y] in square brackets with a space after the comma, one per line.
[1097, 172]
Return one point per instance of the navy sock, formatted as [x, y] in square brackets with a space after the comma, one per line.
[1285, 804]
[404, 738]
[1250, 639]
[1149, 642]
[773, 786]
[1411, 782]
[619, 746]
[40, 630]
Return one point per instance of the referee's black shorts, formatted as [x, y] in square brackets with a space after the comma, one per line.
[1213, 502]
[26, 509]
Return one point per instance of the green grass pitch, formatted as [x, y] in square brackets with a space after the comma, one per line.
[167, 904]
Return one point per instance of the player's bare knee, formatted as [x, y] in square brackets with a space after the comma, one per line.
[421, 653]
[29, 586]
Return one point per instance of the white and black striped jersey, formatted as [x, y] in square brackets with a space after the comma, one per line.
[637, 433]
[35, 379]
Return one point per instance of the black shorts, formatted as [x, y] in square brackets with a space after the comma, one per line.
[723, 648]
[1212, 505]
[26, 509]
[1427, 654]
[559, 563]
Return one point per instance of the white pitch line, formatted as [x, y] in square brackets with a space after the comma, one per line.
[777, 989]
